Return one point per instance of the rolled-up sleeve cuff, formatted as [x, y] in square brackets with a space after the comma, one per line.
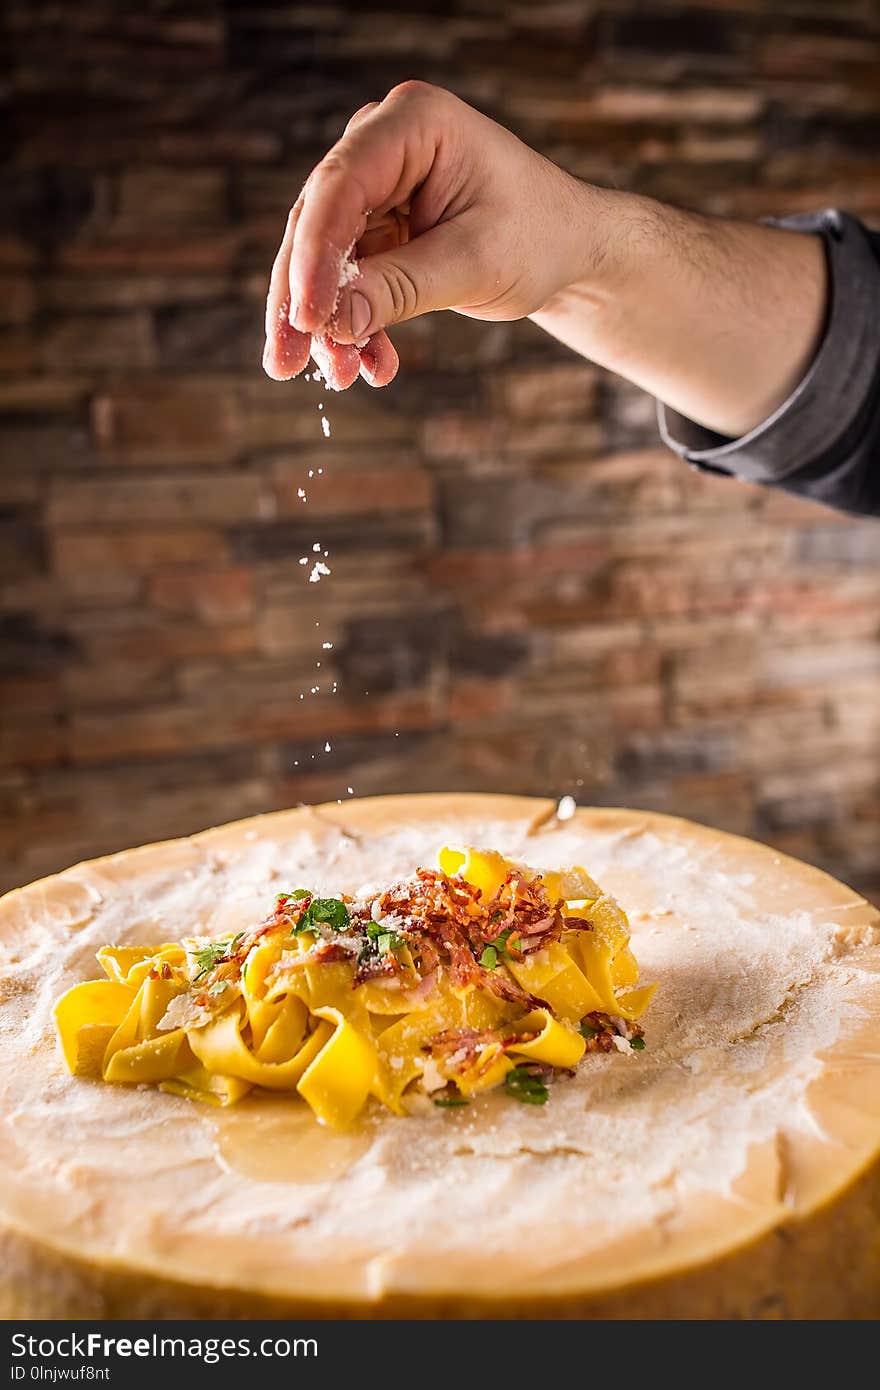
[812, 424]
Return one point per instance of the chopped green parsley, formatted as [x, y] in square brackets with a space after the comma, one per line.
[523, 1086]
[331, 911]
[206, 957]
[384, 939]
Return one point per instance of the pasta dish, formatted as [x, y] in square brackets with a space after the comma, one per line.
[476, 974]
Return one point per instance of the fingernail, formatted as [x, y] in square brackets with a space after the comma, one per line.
[360, 314]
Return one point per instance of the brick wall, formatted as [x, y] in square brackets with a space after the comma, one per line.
[527, 593]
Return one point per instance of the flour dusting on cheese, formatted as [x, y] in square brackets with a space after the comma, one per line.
[757, 985]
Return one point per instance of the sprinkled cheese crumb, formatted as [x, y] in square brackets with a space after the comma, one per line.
[349, 270]
[319, 571]
[566, 808]
[432, 1077]
[325, 426]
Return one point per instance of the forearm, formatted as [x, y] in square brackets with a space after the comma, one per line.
[718, 319]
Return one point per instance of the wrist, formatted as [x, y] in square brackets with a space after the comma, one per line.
[718, 319]
[610, 244]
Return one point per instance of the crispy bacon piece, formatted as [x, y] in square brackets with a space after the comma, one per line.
[322, 954]
[522, 906]
[373, 966]
[507, 988]
[442, 919]
[444, 923]
[451, 1040]
[606, 1029]
[464, 1045]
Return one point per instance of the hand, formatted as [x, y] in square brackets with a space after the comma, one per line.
[439, 208]
[443, 209]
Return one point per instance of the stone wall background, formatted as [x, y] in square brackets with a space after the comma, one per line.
[527, 593]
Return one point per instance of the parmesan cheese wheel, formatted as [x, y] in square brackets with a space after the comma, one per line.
[728, 1170]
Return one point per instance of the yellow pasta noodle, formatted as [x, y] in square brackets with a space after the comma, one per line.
[477, 974]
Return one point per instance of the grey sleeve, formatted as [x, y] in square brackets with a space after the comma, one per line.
[824, 441]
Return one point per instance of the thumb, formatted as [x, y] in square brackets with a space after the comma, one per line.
[440, 269]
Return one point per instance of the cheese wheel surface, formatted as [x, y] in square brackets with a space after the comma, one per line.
[730, 1169]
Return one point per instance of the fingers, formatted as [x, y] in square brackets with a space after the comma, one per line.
[382, 158]
[361, 190]
[287, 351]
[338, 363]
[385, 232]
[361, 115]
[443, 269]
[379, 360]
[279, 281]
